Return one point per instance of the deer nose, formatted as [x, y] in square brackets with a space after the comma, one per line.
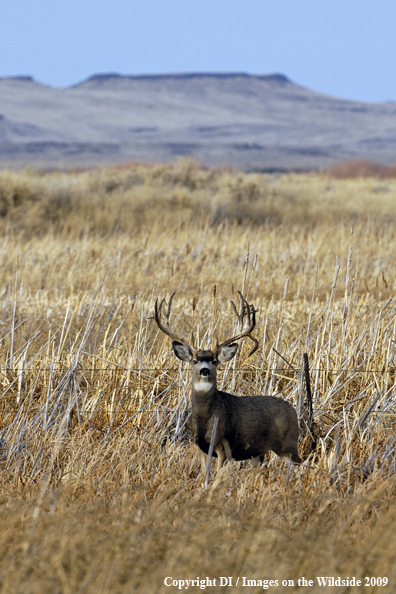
[204, 371]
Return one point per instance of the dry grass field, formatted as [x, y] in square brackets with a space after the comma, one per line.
[100, 484]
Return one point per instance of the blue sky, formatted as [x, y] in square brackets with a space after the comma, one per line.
[345, 48]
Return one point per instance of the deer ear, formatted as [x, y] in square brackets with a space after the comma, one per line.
[182, 351]
[227, 352]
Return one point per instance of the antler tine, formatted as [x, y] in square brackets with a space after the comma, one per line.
[167, 315]
[247, 310]
[158, 312]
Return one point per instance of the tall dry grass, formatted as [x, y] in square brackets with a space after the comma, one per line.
[100, 485]
[127, 201]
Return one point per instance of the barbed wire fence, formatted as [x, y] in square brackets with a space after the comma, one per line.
[136, 389]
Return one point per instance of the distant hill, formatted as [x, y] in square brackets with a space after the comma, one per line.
[252, 122]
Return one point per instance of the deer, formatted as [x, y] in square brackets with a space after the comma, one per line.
[248, 426]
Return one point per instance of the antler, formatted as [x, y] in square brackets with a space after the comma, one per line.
[247, 310]
[158, 312]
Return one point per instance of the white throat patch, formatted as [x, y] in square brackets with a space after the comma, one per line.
[202, 386]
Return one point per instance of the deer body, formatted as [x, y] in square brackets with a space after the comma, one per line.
[248, 426]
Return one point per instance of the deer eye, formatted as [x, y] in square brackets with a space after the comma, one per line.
[195, 361]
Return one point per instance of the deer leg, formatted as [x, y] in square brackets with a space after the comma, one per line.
[228, 451]
[204, 461]
[220, 457]
[257, 460]
[295, 458]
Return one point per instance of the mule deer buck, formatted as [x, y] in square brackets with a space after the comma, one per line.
[248, 426]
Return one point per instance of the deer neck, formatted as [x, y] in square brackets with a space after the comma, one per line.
[203, 395]
[203, 402]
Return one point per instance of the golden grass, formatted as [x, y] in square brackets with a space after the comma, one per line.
[100, 485]
[103, 202]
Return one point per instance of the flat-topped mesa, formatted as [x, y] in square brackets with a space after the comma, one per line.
[248, 426]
